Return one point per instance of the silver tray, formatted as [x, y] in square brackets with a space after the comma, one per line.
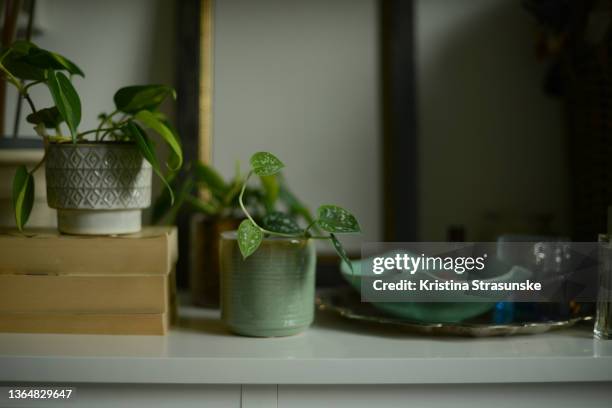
[347, 303]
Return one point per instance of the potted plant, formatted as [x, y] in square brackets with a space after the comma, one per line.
[99, 180]
[214, 202]
[268, 270]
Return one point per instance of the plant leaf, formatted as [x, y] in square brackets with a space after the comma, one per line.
[132, 99]
[173, 162]
[210, 178]
[49, 117]
[160, 115]
[231, 197]
[271, 189]
[163, 207]
[66, 99]
[265, 164]
[40, 58]
[332, 218]
[280, 222]
[23, 196]
[12, 61]
[341, 251]
[152, 122]
[145, 145]
[249, 238]
[21, 47]
[23, 70]
[202, 206]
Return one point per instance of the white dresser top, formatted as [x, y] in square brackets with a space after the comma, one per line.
[333, 351]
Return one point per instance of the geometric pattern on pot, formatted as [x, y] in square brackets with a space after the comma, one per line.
[101, 176]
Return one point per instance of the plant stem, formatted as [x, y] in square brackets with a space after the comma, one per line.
[265, 231]
[10, 77]
[27, 98]
[104, 121]
[31, 84]
[39, 163]
[312, 224]
[97, 130]
[244, 210]
[106, 133]
[17, 115]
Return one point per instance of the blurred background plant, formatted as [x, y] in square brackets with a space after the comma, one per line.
[204, 191]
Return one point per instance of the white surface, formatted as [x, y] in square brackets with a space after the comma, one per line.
[591, 395]
[258, 396]
[334, 351]
[301, 80]
[489, 138]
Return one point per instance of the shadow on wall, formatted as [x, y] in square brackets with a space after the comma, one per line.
[490, 141]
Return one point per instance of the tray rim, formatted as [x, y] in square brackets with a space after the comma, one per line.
[324, 303]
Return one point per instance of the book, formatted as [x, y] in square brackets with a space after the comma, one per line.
[53, 283]
[153, 251]
[91, 294]
[85, 323]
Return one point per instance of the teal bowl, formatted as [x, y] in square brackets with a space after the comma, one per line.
[432, 309]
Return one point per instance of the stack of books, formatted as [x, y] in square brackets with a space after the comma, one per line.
[52, 283]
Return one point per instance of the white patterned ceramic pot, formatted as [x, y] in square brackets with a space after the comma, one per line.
[97, 188]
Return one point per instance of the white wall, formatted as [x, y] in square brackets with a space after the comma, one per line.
[489, 138]
[300, 79]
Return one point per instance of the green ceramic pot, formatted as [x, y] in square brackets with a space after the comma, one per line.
[272, 292]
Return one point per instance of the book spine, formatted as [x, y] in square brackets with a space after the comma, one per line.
[62, 255]
[91, 294]
[71, 323]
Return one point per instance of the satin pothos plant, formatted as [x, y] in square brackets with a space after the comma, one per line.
[328, 221]
[25, 65]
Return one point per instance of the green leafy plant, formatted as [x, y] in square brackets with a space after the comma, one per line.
[330, 219]
[201, 188]
[205, 191]
[25, 65]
